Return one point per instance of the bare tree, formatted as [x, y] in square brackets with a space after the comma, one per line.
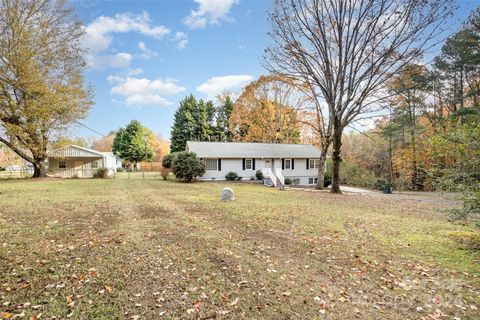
[346, 50]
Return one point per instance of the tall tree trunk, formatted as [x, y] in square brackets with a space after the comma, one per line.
[321, 168]
[37, 159]
[336, 158]
[390, 160]
[40, 170]
[462, 104]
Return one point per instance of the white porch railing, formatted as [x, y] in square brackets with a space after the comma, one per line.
[72, 172]
[279, 175]
[273, 176]
[268, 173]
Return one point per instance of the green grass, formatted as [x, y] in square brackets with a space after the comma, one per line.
[148, 249]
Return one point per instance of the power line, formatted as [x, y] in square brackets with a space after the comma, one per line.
[57, 111]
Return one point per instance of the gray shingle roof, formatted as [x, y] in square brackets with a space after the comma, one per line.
[252, 150]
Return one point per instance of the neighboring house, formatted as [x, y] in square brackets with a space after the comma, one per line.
[298, 162]
[75, 161]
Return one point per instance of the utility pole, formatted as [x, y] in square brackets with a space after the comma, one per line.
[145, 155]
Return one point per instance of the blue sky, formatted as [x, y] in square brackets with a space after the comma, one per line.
[145, 56]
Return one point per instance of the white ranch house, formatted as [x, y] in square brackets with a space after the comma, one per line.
[298, 162]
[75, 161]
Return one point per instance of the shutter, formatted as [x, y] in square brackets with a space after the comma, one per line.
[307, 164]
[243, 164]
[253, 164]
[219, 164]
[283, 164]
[293, 164]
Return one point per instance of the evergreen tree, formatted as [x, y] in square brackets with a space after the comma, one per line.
[187, 167]
[409, 89]
[224, 111]
[458, 64]
[133, 143]
[183, 124]
[193, 120]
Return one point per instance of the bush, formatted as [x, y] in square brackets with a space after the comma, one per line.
[186, 166]
[168, 159]
[259, 174]
[380, 184]
[231, 176]
[165, 172]
[352, 174]
[119, 169]
[101, 173]
[288, 181]
[327, 180]
[467, 240]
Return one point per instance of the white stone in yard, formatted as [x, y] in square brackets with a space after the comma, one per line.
[227, 194]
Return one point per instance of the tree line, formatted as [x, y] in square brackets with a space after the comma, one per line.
[265, 111]
[332, 64]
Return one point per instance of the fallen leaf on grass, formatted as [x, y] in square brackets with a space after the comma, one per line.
[197, 305]
[234, 302]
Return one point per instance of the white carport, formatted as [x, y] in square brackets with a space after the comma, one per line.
[74, 161]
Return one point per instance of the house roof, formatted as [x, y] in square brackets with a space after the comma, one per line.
[252, 150]
[73, 151]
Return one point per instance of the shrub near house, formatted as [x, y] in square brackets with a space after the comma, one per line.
[186, 166]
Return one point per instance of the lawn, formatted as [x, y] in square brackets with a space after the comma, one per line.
[153, 249]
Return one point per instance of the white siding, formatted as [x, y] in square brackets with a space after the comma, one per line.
[228, 165]
[73, 152]
[299, 170]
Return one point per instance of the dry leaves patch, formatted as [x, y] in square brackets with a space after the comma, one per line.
[163, 251]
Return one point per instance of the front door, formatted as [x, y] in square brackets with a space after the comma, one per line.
[78, 168]
[268, 163]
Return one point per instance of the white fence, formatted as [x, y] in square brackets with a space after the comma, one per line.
[16, 174]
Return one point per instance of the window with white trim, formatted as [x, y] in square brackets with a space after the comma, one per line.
[211, 164]
[288, 164]
[312, 180]
[94, 164]
[248, 164]
[313, 163]
[62, 165]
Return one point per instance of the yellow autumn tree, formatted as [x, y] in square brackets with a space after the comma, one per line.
[42, 90]
[267, 111]
[160, 146]
[104, 144]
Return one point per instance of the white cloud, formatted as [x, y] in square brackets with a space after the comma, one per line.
[142, 91]
[146, 53]
[181, 39]
[209, 12]
[98, 33]
[133, 72]
[119, 60]
[98, 37]
[217, 85]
